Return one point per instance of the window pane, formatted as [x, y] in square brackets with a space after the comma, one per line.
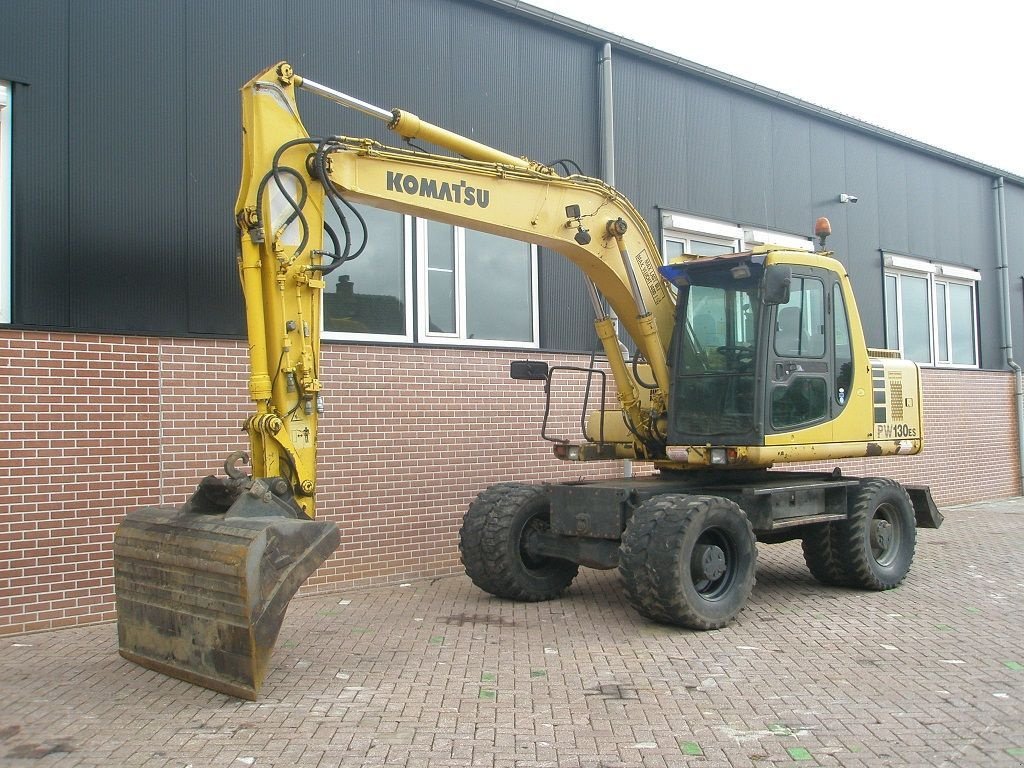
[499, 288]
[803, 401]
[961, 315]
[941, 341]
[673, 249]
[800, 324]
[441, 251]
[892, 338]
[440, 277]
[843, 351]
[705, 248]
[914, 315]
[367, 294]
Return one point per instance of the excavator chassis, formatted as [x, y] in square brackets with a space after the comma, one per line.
[201, 597]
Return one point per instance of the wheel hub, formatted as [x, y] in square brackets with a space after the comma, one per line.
[881, 535]
[708, 563]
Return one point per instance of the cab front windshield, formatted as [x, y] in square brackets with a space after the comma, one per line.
[720, 329]
[715, 347]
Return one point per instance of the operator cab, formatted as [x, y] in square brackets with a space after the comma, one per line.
[759, 348]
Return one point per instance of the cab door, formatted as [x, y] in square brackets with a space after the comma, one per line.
[799, 381]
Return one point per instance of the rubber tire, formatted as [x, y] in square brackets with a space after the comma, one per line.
[655, 556]
[490, 543]
[876, 497]
[821, 555]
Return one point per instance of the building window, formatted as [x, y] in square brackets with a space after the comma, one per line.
[5, 202]
[930, 311]
[368, 298]
[470, 287]
[693, 236]
[476, 288]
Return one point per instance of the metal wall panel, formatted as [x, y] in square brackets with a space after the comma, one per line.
[566, 318]
[751, 133]
[126, 168]
[860, 222]
[892, 196]
[224, 49]
[33, 53]
[134, 150]
[791, 173]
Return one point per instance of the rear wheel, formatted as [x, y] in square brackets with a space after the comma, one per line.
[875, 544]
[494, 540]
[821, 556]
[688, 560]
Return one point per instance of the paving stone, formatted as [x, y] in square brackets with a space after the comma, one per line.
[440, 675]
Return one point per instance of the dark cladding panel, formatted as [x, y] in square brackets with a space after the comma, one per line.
[751, 170]
[828, 179]
[567, 319]
[651, 136]
[33, 53]
[533, 94]
[893, 229]
[791, 166]
[127, 96]
[922, 214]
[968, 213]
[227, 49]
[863, 260]
[708, 150]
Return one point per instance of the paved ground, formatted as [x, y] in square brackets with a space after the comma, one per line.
[437, 674]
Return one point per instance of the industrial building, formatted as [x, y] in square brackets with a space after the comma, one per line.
[121, 321]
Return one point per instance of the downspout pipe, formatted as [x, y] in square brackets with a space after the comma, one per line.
[1003, 253]
[607, 135]
[607, 117]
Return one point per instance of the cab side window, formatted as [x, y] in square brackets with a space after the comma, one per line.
[799, 393]
[800, 324]
[843, 369]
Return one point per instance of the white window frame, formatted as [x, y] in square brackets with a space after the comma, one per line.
[681, 228]
[897, 265]
[458, 338]
[410, 298]
[5, 201]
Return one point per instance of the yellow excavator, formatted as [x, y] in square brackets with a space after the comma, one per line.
[742, 362]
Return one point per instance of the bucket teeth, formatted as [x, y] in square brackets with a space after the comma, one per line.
[202, 597]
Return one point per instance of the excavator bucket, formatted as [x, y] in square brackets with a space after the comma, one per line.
[201, 597]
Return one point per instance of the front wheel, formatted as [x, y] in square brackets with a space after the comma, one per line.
[493, 543]
[875, 544]
[688, 560]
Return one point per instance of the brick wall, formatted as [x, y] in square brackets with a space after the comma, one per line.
[970, 440]
[93, 426]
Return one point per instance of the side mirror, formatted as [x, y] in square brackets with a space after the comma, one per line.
[528, 370]
[775, 286]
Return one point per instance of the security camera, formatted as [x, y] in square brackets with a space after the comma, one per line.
[845, 198]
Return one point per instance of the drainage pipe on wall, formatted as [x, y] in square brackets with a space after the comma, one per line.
[606, 130]
[1003, 253]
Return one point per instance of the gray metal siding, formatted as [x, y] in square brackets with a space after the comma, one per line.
[127, 150]
[133, 114]
[40, 139]
[126, 170]
[713, 151]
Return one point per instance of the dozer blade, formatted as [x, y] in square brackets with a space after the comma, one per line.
[202, 597]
